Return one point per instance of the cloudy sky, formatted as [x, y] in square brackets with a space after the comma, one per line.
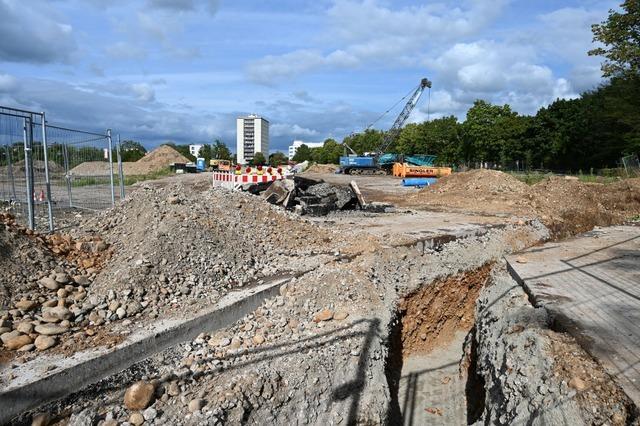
[182, 70]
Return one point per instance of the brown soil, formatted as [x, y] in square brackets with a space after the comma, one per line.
[566, 206]
[433, 314]
[322, 168]
[593, 386]
[156, 160]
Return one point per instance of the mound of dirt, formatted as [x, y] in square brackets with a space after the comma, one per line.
[156, 160]
[566, 206]
[483, 191]
[44, 285]
[21, 260]
[481, 182]
[92, 168]
[322, 168]
[177, 248]
[570, 207]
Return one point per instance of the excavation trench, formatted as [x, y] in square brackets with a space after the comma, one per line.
[431, 365]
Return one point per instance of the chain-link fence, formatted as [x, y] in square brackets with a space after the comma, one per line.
[47, 172]
[631, 165]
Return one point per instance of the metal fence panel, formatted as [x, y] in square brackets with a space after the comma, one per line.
[48, 172]
[631, 165]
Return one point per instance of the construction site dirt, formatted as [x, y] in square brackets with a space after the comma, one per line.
[405, 316]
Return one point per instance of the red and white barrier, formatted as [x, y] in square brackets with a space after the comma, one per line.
[234, 181]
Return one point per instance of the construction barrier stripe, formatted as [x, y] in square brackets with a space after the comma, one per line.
[232, 180]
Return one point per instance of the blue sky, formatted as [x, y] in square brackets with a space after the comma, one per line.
[182, 70]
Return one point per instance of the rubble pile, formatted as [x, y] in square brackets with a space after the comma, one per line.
[315, 197]
[163, 252]
[178, 249]
[44, 285]
[300, 357]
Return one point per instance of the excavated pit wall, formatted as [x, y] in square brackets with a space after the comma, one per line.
[342, 377]
[533, 374]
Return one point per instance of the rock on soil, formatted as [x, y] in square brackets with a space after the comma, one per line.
[139, 395]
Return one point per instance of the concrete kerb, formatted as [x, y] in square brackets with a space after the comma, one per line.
[35, 386]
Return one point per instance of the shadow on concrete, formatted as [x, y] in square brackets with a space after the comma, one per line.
[411, 389]
[367, 329]
[597, 303]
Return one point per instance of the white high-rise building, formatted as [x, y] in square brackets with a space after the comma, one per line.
[293, 148]
[252, 137]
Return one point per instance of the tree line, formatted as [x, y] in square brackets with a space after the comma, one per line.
[592, 131]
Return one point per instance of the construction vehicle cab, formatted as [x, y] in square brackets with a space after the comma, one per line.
[220, 165]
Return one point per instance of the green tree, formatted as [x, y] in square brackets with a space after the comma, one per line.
[131, 151]
[620, 35]
[220, 151]
[277, 159]
[258, 159]
[487, 132]
[367, 141]
[440, 137]
[303, 153]
[205, 152]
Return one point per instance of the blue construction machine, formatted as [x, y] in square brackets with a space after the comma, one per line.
[381, 162]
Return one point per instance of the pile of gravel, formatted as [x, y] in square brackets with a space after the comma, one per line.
[175, 248]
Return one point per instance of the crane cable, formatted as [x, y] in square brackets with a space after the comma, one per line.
[387, 111]
[429, 105]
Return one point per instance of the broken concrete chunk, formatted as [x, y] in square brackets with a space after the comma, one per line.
[278, 191]
[356, 190]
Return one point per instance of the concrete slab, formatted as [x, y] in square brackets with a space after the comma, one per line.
[406, 227]
[591, 286]
[431, 389]
[36, 382]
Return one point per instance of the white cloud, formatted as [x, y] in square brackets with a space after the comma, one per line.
[96, 110]
[369, 32]
[144, 92]
[499, 72]
[123, 50]
[284, 129]
[211, 6]
[363, 21]
[8, 83]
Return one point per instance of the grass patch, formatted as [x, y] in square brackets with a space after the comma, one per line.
[130, 180]
[531, 178]
[80, 181]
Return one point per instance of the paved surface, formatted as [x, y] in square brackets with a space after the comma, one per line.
[431, 389]
[592, 285]
[412, 226]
